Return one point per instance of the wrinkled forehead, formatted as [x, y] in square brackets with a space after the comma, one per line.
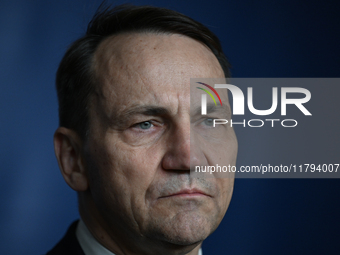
[150, 68]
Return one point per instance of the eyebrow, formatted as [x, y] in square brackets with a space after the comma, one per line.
[146, 110]
[211, 108]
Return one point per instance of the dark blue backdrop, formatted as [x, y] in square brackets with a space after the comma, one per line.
[265, 38]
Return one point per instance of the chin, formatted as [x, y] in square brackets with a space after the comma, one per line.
[186, 229]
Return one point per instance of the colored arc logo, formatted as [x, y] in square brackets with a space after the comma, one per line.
[208, 86]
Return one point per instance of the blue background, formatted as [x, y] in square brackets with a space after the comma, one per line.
[261, 39]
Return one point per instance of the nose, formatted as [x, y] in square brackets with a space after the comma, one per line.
[177, 155]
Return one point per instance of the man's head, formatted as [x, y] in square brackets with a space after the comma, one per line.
[126, 146]
[75, 77]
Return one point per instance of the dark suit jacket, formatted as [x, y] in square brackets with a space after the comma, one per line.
[69, 245]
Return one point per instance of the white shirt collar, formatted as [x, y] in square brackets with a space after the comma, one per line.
[90, 245]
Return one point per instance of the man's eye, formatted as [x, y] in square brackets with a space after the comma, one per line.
[209, 122]
[145, 125]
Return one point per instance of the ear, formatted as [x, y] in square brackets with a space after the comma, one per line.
[67, 147]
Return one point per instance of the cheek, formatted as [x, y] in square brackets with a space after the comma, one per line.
[122, 173]
[231, 149]
[222, 151]
[227, 187]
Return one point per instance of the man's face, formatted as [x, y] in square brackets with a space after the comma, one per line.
[138, 149]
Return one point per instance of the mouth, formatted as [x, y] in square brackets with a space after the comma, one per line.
[187, 193]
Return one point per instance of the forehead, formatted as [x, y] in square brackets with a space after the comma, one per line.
[149, 68]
